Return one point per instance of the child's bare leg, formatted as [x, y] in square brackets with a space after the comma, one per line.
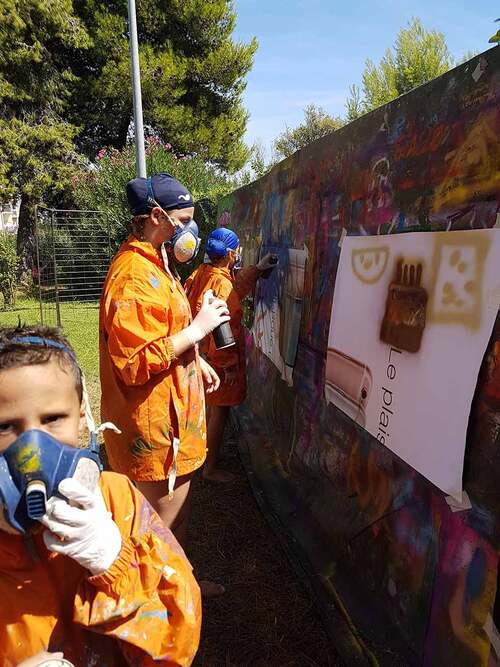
[175, 514]
[216, 422]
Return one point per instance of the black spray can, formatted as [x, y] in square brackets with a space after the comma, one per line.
[223, 336]
[265, 274]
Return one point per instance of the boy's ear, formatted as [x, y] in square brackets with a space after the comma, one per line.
[82, 424]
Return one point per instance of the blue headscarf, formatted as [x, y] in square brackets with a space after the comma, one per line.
[220, 241]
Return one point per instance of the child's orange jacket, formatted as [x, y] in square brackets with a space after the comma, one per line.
[150, 396]
[231, 290]
[144, 611]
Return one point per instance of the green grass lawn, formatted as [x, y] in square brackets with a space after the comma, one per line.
[80, 322]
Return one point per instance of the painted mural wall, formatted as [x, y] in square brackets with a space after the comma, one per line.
[416, 577]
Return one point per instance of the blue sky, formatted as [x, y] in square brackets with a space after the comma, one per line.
[313, 50]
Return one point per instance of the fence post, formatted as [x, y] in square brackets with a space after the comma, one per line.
[56, 284]
[37, 232]
[108, 229]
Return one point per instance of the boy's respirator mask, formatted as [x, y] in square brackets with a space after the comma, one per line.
[31, 469]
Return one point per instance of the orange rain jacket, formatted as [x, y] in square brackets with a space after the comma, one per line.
[144, 611]
[231, 290]
[151, 396]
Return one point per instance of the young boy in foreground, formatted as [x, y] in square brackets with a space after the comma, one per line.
[101, 582]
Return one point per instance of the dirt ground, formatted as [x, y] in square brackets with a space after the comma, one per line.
[266, 618]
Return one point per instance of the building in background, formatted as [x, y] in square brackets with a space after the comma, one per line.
[9, 216]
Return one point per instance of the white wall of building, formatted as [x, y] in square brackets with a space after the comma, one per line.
[9, 215]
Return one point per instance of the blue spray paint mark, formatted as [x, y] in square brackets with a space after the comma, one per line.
[160, 614]
[401, 222]
[474, 584]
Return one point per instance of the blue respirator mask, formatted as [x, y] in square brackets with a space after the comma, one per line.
[185, 242]
[31, 469]
[237, 262]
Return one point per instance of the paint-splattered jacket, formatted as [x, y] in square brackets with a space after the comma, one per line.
[231, 290]
[143, 611]
[151, 396]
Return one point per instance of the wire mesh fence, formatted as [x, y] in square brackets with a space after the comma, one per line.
[74, 250]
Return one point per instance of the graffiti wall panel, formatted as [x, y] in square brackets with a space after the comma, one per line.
[417, 579]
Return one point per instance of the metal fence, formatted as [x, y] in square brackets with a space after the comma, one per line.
[73, 251]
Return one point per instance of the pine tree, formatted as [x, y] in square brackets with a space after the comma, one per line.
[36, 140]
[317, 123]
[192, 72]
[65, 88]
[418, 56]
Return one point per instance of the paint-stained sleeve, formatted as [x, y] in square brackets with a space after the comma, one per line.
[137, 327]
[245, 280]
[148, 600]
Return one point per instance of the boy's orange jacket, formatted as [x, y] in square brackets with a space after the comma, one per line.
[151, 396]
[144, 611]
[231, 290]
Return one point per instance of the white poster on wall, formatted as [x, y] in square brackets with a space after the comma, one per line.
[411, 318]
[278, 309]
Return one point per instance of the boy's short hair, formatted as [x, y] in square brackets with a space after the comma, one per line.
[17, 350]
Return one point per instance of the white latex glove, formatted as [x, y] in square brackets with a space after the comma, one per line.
[40, 659]
[82, 528]
[212, 313]
[266, 262]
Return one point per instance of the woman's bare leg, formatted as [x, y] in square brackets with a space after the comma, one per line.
[176, 512]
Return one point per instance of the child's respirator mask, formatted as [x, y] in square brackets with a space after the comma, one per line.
[31, 469]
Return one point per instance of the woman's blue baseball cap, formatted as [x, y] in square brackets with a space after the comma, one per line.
[220, 241]
[162, 190]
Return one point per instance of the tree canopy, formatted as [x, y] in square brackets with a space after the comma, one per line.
[495, 39]
[35, 82]
[37, 38]
[192, 72]
[418, 56]
[317, 123]
[65, 88]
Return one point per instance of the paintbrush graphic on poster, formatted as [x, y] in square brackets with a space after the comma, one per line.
[411, 318]
[278, 312]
